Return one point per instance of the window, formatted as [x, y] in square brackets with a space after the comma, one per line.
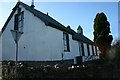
[85, 49]
[88, 49]
[18, 24]
[66, 42]
[93, 50]
[96, 48]
[82, 49]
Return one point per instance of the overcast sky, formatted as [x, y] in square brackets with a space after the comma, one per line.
[71, 13]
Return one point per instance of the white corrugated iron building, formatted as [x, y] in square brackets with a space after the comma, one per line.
[43, 38]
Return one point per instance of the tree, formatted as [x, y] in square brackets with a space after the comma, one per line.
[113, 55]
[101, 33]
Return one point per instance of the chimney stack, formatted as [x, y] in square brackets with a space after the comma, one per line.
[32, 4]
[68, 27]
[18, 0]
[80, 30]
[47, 13]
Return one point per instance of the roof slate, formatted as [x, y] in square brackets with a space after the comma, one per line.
[82, 38]
[48, 21]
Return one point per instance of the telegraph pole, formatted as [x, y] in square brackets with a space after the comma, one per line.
[16, 57]
[16, 35]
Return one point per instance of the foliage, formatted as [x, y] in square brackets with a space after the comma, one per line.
[101, 32]
[94, 69]
[113, 55]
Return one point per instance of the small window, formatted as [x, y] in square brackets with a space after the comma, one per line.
[93, 50]
[96, 50]
[85, 49]
[18, 24]
[66, 42]
[82, 49]
[88, 49]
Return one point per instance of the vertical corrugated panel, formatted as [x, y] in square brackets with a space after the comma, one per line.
[90, 49]
[94, 50]
[93, 53]
[85, 49]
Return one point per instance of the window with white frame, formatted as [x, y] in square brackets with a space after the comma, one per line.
[18, 24]
[66, 42]
[81, 49]
[85, 49]
[95, 53]
[90, 48]
[93, 50]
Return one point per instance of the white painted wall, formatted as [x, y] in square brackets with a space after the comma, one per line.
[8, 44]
[38, 42]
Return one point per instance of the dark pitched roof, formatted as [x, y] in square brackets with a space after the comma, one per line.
[48, 21]
[45, 18]
[82, 38]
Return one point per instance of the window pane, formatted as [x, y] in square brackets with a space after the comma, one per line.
[64, 36]
[20, 29]
[16, 22]
[66, 41]
[19, 24]
[85, 49]
[90, 48]
[20, 17]
[94, 50]
[80, 49]
[65, 48]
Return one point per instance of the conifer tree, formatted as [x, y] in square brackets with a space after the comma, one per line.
[101, 33]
